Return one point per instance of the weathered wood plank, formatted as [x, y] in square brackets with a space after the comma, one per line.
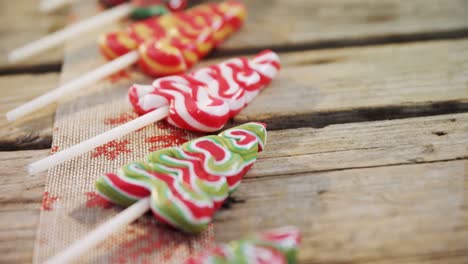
[287, 24]
[339, 173]
[359, 145]
[317, 88]
[20, 199]
[20, 23]
[336, 184]
[34, 131]
[396, 214]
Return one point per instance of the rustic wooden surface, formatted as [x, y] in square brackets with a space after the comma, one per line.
[361, 192]
[349, 187]
[20, 23]
[365, 83]
[406, 213]
[20, 203]
[300, 24]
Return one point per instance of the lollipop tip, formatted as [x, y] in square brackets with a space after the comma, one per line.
[13, 57]
[10, 116]
[33, 169]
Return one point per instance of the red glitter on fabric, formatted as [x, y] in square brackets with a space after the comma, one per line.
[121, 119]
[112, 149]
[48, 201]
[54, 149]
[163, 125]
[176, 138]
[121, 75]
[95, 200]
[156, 244]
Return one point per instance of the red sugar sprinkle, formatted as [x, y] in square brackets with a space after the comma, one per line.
[48, 201]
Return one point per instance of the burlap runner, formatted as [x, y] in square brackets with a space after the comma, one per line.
[71, 207]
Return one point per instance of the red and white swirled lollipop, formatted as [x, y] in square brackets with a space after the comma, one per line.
[205, 99]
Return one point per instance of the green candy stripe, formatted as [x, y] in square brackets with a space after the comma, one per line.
[201, 197]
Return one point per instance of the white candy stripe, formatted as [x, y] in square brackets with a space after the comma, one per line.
[179, 106]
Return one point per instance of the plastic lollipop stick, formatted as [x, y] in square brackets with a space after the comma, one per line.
[183, 186]
[90, 144]
[102, 232]
[47, 6]
[87, 79]
[73, 31]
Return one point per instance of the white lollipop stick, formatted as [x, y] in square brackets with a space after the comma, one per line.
[47, 6]
[87, 79]
[73, 31]
[102, 232]
[90, 144]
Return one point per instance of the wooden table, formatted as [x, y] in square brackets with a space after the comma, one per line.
[368, 147]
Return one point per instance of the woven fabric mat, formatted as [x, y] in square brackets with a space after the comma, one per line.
[71, 207]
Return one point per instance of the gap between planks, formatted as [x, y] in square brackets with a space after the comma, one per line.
[21, 23]
[282, 25]
[288, 25]
[35, 130]
[319, 88]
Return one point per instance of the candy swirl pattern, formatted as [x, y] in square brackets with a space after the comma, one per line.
[172, 43]
[273, 247]
[188, 184]
[205, 99]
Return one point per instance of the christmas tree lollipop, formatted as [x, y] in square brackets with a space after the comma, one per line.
[183, 186]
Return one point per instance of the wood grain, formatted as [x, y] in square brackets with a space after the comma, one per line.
[21, 23]
[317, 88]
[374, 192]
[387, 191]
[293, 24]
[398, 214]
[360, 145]
[20, 202]
[33, 131]
[322, 87]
